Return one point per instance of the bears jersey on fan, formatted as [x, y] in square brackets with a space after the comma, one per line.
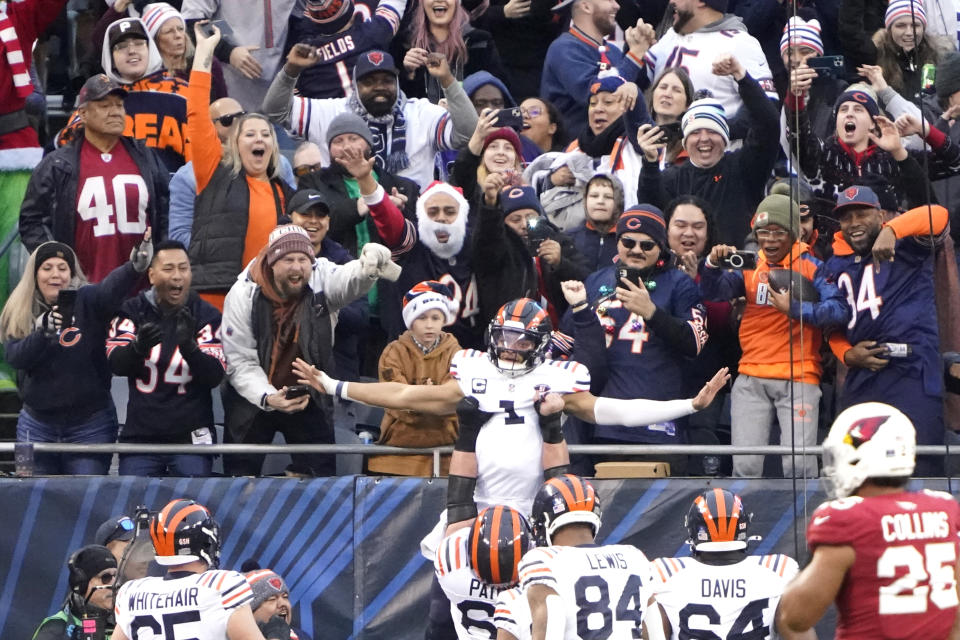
[604, 588]
[511, 439]
[722, 601]
[332, 77]
[902, 583]
[695, 53]
[472, 601]
[512, 613]
[194, 606]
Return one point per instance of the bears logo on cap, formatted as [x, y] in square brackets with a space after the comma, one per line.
[375, 57]
[276, 583]
[762, 220]
[851, 192]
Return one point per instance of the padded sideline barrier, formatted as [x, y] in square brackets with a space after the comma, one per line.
[348, 546]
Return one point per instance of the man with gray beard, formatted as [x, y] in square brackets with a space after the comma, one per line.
[441, 252]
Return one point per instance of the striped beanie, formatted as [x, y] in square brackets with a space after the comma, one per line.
[900, 8]
[706, 113]
[427, 295]
[644, 218]
[800, 33]
[154, 15]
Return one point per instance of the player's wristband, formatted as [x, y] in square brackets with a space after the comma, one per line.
[556, 472]
[460, 504]
[551, 427]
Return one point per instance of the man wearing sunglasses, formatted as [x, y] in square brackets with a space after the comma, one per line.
[93, 570]
[775, 385]
[636, 329]
[225, 114]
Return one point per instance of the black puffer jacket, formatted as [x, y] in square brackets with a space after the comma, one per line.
[506, 270]
[49, 209]
[217, 239]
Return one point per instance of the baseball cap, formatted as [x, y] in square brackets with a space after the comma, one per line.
[373, 61]
[857, 196]
[306, 199]
[116, 528]
[124, 30]
[99, 87]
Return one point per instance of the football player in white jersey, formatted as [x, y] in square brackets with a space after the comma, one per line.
[475, 566]
[701, 33]
[504, 444]
[194, 600]
[576, 589]
[512, 615]
[720, 592]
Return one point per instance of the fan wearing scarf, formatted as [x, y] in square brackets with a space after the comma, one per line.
[20, 151]
[407, 133]
[283, 306]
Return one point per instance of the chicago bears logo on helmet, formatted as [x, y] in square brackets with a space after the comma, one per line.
[375, 57]
[863, 429]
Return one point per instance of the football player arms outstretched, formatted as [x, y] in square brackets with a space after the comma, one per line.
[519, 338]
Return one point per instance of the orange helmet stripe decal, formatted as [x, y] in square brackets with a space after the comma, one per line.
[722, 528]
[517, 547]
[518, 309]
[563, 489]
[707, 518]
[494, 547]
[475, 541]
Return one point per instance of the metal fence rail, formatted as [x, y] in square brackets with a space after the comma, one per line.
[436, 452]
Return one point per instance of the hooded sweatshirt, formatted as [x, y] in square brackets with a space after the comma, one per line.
[156, 107]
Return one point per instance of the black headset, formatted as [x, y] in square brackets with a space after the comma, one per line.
[78, 577]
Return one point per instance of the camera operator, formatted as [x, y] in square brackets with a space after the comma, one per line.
[89, 603]
[524, 255]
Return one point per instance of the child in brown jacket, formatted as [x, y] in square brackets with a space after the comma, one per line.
[421, 355]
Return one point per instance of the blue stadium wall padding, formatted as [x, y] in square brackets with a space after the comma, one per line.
[348, 546]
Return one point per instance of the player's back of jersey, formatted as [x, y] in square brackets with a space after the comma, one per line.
[604, 588]
[197, 605]
[902, 582]
[472, 601]
[722, 601]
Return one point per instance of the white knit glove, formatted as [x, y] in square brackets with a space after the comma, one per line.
[376, 263]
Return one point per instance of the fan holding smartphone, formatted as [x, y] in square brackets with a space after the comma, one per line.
[788, 302]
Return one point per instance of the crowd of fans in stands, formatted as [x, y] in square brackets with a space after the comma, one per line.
[363, 185]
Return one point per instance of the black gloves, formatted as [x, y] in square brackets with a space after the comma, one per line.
[186, 332]
[471, 418]
[276, 628]
[550, 427]
[148, 336]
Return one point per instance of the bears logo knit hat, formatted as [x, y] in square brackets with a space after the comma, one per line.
[860, 96]
[427, 295]
[800, 33]
[706, 113]
[606, 83]
[900, 8]
[265, 583]
[286, 239]
[518, 198]
[644, 218]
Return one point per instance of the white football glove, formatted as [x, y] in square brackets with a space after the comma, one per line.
[376, 263]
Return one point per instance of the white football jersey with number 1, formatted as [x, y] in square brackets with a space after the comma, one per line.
[509, 446]
[722, 601]
[196, 606]
[604, 589]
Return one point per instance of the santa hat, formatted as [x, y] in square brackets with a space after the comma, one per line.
[436, 187]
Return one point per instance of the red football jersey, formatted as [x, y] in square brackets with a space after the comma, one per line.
[902, 583]
[112, 200]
